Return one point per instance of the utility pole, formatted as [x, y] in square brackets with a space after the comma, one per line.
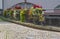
[2, 6]
[25, 3]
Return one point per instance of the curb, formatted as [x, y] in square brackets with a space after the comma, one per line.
[49, 28]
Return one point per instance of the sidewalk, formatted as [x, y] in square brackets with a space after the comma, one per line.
[14, 31]
[50, 28]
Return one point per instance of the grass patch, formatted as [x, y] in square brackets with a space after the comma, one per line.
[1, 19]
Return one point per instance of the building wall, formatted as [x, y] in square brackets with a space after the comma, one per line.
[9, 3]
[57, 11]
[1, 4]
[47, 4]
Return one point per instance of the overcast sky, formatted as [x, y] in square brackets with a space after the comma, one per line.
[46, 4]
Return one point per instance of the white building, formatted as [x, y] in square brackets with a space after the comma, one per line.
[46, 4]
[1, 4]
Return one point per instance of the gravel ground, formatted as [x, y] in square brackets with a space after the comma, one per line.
[14, 31]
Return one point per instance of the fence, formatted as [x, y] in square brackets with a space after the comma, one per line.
[53, 18]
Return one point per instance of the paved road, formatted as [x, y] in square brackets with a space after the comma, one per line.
[14, 31]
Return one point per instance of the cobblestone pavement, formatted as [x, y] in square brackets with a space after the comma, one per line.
[14, 31]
